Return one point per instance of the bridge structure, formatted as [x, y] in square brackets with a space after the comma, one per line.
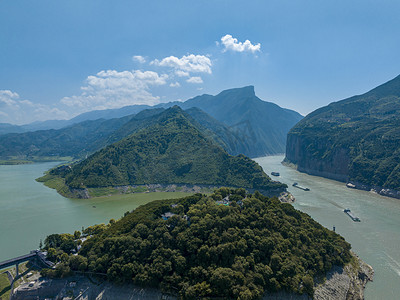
[34, 254]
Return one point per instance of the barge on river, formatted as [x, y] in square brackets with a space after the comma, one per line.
[300, 187]
[350, 214]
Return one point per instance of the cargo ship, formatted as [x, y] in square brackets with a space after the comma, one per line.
[350, 214]
[300, 187]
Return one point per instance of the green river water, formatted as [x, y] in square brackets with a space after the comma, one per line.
[376, 239]
[29, 211]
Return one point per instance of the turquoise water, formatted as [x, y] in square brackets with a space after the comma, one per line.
[376, 239]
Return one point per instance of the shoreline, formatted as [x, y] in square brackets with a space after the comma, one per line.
[386, 192]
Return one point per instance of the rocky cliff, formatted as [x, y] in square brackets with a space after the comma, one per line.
[355, 140]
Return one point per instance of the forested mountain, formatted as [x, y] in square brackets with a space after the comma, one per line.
[356, 139]
[205, 250]
[246, 124]
[172, 150]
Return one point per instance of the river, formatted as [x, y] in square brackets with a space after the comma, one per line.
[30, 211]
[376, 239]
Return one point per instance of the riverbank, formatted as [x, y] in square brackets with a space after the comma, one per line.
[58, 183]
[344, 178]
[34, 159]
[374, 189]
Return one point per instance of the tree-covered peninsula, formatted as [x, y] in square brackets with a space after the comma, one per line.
[356, 140]
[171, 151]
[229, 244]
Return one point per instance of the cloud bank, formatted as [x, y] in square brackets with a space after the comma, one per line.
[113, 89]
[15, 110]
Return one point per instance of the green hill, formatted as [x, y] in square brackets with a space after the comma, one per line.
[205, 250]
[356, 139]
[172, 150]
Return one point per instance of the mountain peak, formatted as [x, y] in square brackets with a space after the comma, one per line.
[247, 91]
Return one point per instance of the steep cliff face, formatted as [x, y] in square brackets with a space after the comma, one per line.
[354, 140]
[307, 160]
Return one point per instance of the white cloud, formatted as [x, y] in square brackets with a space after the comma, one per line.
[181, 73]
[195, 80]
[21, 111]
[175, 84]
[187, 63]
[139, 59]
[8, 98]
[231, 43]
[113, 89]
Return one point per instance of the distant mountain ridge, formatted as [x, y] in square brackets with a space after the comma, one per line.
[354, 140]
[237, 120]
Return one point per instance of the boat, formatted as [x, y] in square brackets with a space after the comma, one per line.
[350, 214]
[300, 187]
[275, 173]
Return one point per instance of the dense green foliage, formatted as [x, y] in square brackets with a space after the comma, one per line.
[366, 127]
[253, 245]
[171, 151]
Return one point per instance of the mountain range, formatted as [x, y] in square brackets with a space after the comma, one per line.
[355, 140]
[236, 119]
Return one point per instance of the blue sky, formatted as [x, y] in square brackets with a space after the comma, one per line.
[62, 58]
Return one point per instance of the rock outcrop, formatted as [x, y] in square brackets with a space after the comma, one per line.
[346, 283]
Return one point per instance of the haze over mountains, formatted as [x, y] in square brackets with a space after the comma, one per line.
[236, 119]
[356, 140]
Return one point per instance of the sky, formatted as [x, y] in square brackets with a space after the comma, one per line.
[62, 58]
